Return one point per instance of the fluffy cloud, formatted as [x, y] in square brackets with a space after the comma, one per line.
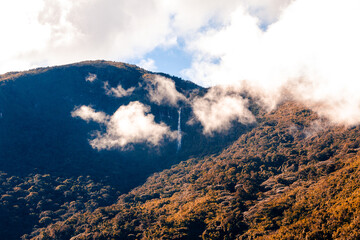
[162, 90]
[148, 64]
[21, 34]
[53, 32]
[89, 114]
[267, 11]
[219, 108]
[311, 53]
[119, 91]
[128, 125]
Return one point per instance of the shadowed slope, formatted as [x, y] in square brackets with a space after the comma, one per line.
[43, 144]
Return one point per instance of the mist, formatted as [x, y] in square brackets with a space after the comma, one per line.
[217, 110]
[162, 91]
[91, 77]
[119, 91]
[89, 114]
[310, 54]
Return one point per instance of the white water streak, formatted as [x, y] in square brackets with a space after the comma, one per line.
[179, 136]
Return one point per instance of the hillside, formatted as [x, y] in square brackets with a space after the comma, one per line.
[39, 133]
[58, 127]
[68, 171]
[294, 176]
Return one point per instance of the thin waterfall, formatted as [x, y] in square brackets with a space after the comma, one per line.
[179, 131]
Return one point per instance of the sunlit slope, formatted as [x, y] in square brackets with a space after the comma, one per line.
[292, 176]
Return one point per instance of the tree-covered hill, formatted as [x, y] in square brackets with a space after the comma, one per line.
[294, 176]
[66, 173]
[40, 199]
[45, 140]
[39, 133]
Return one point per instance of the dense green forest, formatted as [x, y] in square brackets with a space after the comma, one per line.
[40, 199]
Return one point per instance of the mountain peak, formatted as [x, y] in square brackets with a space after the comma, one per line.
[93, 63]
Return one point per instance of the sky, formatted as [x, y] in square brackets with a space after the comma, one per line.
[306, 48]
[155, 34]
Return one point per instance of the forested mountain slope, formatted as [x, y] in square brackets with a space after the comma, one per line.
[66, 174]
[40, 133]
[293, 176]
[59, 152]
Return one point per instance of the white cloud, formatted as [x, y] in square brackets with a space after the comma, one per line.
[119, 91]
[20, 33]
[89, 114]
[312, 50]
[310, 47]
[148, 64]
[219, 108]
[162, 90]
[128, 125]
[53, 32]
[267, 11]
[91, 77]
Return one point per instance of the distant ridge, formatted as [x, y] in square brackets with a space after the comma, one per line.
[13, 75]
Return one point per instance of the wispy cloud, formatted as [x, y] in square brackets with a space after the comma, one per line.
[310, 53]
[162, 90]
[310, 48]
[148, 64]
[219, 108]
[89, 114]
[119, 91]
[130, 124]
[64, 31]
[91, 77]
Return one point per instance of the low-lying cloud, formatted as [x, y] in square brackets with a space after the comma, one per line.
[162, 90]
[89, 114]
[119, 91]
[217, 110]
[311, 54]
[91, 77]
[130, 124]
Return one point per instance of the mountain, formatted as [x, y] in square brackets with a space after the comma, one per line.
[39, 134]
[49, 125]
[294, 176]
[67, 172]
